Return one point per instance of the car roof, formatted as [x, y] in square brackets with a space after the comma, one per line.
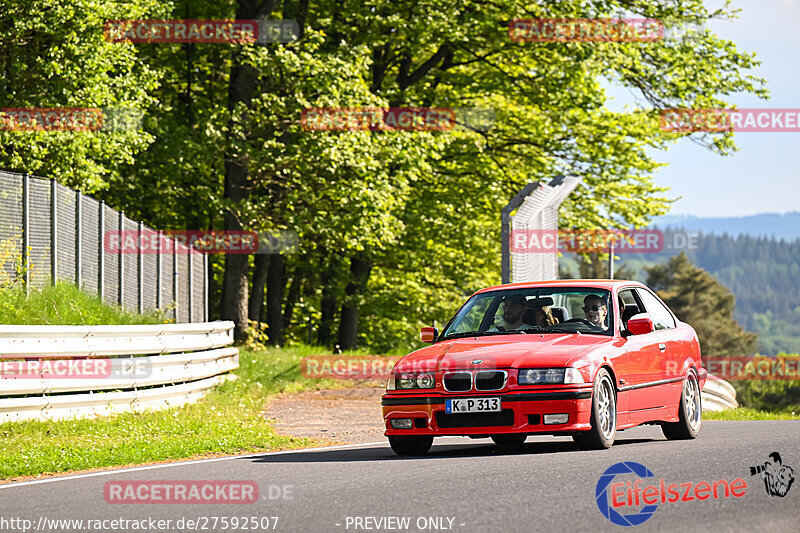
[608, 284]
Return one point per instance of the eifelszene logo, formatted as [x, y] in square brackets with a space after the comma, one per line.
[632, 494]
[778, 477]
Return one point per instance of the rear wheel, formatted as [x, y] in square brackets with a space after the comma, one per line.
[604, 416]
[690, 412]
[510, 442]
[410, 444]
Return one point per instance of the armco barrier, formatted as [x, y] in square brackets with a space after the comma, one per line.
[151, 367]
[718, 395]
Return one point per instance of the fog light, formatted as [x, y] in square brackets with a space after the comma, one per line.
[402, 423]
[556, 419]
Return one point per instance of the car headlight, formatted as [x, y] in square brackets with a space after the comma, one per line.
[549, 376]
[414, 380]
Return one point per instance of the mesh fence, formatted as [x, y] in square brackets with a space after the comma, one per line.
[10, 227]
[66, 235]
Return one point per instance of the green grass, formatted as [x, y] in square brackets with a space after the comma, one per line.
[746, 413]
[63, 304]
[227, 421]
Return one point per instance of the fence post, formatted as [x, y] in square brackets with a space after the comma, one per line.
[140, 267]
[53, 231]
[191, 286]
[175, 278]
[205, 287]
[101, 251]
[159, 261]
[78, 239]
[121, 263]
[26, 235]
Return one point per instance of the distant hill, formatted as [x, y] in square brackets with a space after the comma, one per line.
[775, 225]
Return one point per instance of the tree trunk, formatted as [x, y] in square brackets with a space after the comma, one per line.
[327, 310]
[259, 284]
[292, 298]
[276, 282]
[348, 325]
[242, 86]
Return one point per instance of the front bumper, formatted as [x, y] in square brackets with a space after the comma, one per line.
[522, 412]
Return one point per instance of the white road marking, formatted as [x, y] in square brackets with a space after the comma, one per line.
[196, 461]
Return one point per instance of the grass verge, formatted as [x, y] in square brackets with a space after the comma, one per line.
[64, 304]
[227, 421]
[746, 413]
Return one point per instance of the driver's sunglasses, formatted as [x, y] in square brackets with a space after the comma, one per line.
[593, 308]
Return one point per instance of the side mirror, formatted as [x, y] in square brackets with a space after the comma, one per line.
[640, 324]
[429, 334]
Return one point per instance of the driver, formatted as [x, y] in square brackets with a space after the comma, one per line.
[514, 307]
[596, 311]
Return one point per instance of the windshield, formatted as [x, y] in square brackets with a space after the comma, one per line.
[535, 310]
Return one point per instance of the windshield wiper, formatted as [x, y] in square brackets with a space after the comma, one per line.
[535, 329]
[479, 334]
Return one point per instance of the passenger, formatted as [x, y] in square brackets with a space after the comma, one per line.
[596, 311]
[544, 316]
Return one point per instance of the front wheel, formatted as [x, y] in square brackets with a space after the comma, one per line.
[604, 416]
[410, 444]
[690, 412]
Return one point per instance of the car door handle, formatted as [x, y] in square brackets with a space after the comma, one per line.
[662, 346]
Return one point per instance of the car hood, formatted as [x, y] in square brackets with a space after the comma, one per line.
[536, 350]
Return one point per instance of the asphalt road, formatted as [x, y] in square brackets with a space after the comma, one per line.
[464, 485]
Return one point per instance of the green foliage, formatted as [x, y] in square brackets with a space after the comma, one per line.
[700, 300]
[746, 413]
[54, 55]
[63, 304]
[769, 395]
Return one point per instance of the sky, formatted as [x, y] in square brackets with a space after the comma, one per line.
[764, 175]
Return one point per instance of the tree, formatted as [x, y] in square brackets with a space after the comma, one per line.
[697, 298]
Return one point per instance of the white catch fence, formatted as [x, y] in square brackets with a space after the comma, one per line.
[62, 372]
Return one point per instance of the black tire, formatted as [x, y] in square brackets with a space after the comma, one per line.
[410, 444]
[690, 412]
[604, 415]
[512, 441]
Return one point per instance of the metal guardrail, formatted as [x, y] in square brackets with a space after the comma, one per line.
[717, 395]
[146, 368]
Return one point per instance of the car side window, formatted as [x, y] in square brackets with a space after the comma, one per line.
[662, 318]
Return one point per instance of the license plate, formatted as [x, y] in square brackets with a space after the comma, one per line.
[472, 405]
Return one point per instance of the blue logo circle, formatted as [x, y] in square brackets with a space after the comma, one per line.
[601, 494]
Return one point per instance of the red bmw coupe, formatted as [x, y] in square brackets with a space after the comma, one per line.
[585, 358]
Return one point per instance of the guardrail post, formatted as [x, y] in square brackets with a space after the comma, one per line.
[53, 231]
[26, 232]
[121, 292]
[101, 251]
[140, 267]
[78, 239]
